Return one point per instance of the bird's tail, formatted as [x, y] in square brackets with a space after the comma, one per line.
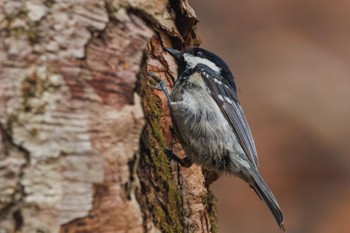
[263, 191]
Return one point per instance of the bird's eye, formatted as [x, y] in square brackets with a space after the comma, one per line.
[199, 53]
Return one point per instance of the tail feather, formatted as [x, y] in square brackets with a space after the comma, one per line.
[263, 191]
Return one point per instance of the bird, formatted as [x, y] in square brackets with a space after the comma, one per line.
[210, 123]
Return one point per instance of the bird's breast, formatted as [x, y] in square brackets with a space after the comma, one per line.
[201, 124]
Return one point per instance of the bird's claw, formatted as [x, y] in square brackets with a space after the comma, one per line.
[157, 83]
[184, 162]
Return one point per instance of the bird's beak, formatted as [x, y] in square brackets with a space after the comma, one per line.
[175, 53]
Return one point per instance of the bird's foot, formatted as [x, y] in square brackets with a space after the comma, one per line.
[157, 83]
[185, 162]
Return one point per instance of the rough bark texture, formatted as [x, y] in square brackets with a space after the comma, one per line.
[82, 131]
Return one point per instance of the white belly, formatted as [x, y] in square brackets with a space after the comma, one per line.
[204, 129]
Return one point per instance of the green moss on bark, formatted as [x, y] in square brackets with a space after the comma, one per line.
[160, 198]
[210, 204]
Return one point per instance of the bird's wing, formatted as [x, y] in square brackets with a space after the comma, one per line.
[227, 100]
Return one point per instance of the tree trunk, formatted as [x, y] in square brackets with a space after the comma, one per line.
[81, 129]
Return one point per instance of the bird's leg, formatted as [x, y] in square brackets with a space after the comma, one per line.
[160, 85]
[185, 162]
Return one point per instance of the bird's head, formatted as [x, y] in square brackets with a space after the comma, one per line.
[191, 57]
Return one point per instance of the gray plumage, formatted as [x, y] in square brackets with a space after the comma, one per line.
[210, 122]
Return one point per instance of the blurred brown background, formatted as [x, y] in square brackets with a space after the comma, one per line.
[291, 63]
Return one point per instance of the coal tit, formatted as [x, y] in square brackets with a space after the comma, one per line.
[209, 121]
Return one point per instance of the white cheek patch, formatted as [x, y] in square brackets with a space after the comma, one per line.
[192, 61]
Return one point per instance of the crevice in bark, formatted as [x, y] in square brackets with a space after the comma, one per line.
[14, 207]
[18, 220]
[131, 187]
[185, 24]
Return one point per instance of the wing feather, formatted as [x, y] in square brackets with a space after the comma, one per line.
[228, 102]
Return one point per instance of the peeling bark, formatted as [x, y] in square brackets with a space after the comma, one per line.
[82, 131]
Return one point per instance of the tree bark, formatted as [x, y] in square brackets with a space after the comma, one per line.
[82, 131]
